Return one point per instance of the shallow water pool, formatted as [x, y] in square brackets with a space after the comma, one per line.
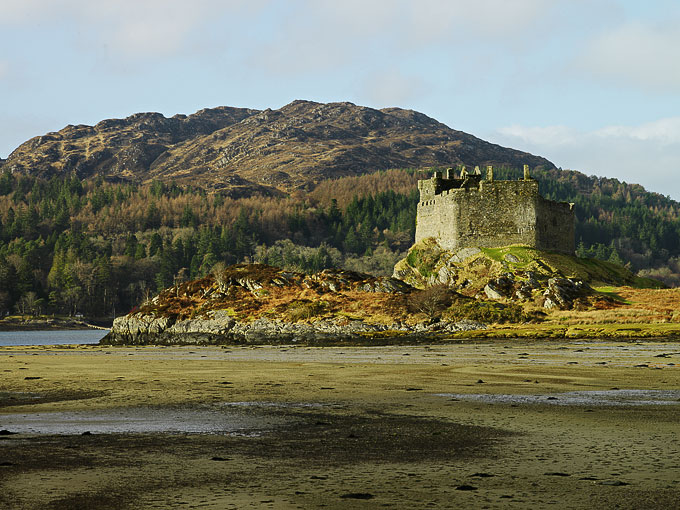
[579, 398]
[55, 337]
[195, 420]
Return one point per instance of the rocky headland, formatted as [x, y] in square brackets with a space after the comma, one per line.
[44, 322]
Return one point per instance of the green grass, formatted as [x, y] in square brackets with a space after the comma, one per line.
[304, 309]
[523, 253]
[487, 311]
[426, 256]
[422, 260]
[611, 292]
[594, 271]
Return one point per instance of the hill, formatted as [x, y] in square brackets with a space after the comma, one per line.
[243, 151]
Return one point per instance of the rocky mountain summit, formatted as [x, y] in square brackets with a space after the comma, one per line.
[243, 151]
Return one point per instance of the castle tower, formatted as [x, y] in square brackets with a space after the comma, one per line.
[472, 211]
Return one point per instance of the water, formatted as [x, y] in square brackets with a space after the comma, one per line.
[193, 420]
[55, 337]
[622, 397]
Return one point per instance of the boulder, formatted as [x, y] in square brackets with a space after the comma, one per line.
[387, 284]
[217, 323]
[562, 292]
[492, 292]
[135, 328]
[501, 287]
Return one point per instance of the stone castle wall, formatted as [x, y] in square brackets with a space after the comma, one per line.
[486, 213]
[555, 226]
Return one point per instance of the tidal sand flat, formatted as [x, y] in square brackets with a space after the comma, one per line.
[506, 424]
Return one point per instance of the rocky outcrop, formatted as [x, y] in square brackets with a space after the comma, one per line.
[514, 273]
[260, 304]
[222, 329]
[501, 287]
[334, 280]
[562, 293]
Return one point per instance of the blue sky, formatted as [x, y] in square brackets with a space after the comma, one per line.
[593, 85]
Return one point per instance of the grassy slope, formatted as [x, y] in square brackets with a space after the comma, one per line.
[279, 294]
[597, 273]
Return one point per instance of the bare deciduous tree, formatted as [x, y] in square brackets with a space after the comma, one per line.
[219, 272]
[431, 301]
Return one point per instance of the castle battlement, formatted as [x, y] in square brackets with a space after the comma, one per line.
[469, 210]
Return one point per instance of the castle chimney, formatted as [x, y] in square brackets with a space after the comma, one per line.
[526, 173]
[450, 173]
[489, 173]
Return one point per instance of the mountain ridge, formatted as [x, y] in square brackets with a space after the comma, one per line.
[246, 151]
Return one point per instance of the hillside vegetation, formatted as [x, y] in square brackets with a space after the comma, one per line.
[96, 247]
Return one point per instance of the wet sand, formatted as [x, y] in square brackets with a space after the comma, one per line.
[342, 427]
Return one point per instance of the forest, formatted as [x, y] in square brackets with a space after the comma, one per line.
[99, 248]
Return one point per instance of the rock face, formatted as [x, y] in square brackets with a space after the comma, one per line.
[563, 292]
[258, 304]
[130, 330]
[243, 151]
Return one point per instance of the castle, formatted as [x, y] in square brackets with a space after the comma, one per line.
[469, 210]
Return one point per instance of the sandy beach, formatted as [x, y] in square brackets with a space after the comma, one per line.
[502, 424]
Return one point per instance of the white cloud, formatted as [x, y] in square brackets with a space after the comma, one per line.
[648, 154]
[663, 131]
[358, 36]
[551, 136]
[12, 11]
[637, 53]
[485, 18]
[131, 28]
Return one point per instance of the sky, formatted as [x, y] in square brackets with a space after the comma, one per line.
[592, 85]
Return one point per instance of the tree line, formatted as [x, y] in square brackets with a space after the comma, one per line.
[99, 248]
[69, 246]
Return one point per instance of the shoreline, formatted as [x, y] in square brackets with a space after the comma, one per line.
[502, 335]
[17, 323]
[161, 331]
